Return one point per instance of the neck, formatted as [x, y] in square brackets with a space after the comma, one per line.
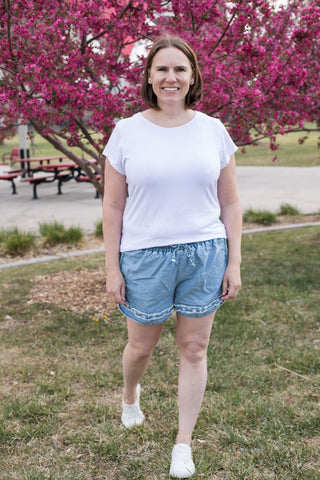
[169, 116]
[175, 110]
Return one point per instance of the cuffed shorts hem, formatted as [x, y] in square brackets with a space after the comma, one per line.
[157, 318]
[198, 312]
[146, 318]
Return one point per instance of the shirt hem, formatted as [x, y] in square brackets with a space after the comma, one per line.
[172, 241]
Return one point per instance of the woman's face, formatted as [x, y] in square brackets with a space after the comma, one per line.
[171, 76]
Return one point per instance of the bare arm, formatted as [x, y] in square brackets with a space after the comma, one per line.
[114, 202]
[231, 216]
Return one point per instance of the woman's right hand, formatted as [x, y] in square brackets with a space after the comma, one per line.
[116, 286]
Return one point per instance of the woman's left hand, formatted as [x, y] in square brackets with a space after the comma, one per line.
[231, 283]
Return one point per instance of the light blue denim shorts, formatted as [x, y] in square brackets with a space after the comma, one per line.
[186, 278]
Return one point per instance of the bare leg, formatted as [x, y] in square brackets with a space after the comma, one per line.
[193, 336]
[142, 340]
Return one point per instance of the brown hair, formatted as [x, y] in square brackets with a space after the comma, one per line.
[195, 90]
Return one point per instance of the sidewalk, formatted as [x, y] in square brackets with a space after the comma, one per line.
[77, 206]
[268, 187]
[260, 188]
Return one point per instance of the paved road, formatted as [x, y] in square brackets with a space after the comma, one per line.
[260, 188]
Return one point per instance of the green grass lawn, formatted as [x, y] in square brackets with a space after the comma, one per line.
[290, 152]
[61, 379]
[39, 148]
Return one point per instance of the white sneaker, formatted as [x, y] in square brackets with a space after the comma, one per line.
[182, 465]
[131, 414]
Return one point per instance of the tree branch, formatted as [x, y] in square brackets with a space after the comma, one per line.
[224, 31]
[80, 144]
[84, 164]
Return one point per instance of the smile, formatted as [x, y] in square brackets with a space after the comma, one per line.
[171, 89]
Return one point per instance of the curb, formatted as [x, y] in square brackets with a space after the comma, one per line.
[79, 253]
[50, 258]
[281, 227]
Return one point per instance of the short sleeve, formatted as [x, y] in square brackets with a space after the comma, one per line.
[114, 150]
[227, 147]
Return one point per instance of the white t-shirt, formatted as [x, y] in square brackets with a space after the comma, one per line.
[172, 176]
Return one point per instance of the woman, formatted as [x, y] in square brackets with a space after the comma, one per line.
[170, 175]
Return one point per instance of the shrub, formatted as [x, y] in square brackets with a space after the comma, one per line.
[98, 231]
[263, 217]
[287, 209]
[51, 232]
[72, 235]
[15, 242]
[54, 233]
[46, 229]
[3, 235]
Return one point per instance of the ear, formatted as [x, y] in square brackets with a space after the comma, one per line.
[192, 79]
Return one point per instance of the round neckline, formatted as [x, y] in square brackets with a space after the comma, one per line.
[169, 128]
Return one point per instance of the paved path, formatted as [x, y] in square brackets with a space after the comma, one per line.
[260, 188]
[269, 187]
[76, 206]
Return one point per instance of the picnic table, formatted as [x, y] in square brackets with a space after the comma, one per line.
[48, 169]
[50, 172]
[38, 162]
[11, 177]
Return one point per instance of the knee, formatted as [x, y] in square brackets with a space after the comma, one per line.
[141, 352]
[193, 351]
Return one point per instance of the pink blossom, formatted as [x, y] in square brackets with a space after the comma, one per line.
[66, 70]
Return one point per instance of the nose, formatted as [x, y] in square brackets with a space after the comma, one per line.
[171, 76]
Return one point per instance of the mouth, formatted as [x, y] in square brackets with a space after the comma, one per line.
[170, 89]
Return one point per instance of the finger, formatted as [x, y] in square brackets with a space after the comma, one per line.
[224, 288]
[231, 293]
[118, 295]
[118, 298]
[122, 294]
[225, 297]
[114, 296]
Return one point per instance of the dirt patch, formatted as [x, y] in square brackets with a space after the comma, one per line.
[81, 290]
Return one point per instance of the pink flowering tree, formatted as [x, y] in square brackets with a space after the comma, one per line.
[65, 70]
[68, 69]
[261, 65]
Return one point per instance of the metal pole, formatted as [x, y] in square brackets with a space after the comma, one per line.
[23, 143]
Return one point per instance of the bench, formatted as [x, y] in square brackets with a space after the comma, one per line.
[22, 171]
[84, 178]
[10, 177]
[63, 176]
[13, 156]
[35, 181]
